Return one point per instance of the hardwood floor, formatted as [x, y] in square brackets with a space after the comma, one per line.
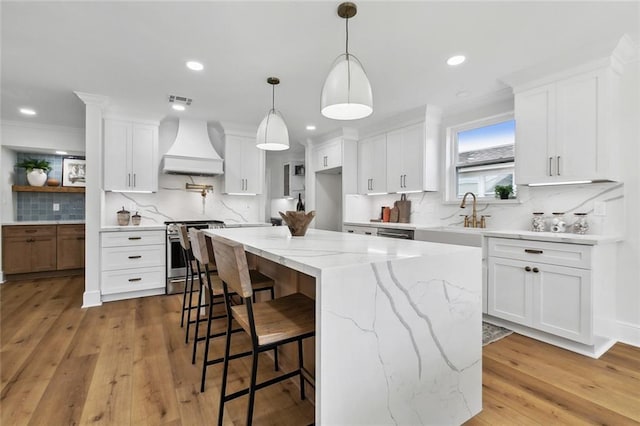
[126, 363]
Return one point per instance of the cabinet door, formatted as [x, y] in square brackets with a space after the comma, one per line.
[252, 167]
[43, 254]
[117, 166]
[16, 255]
[144, 171]
[509, 290]
[534, 114]
[562, 302]
[233, 165]
[70, 247]
[576, 155]
[372, 165]
[334, 154]
[405, 159]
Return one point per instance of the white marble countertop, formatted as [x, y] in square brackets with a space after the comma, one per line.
[320, 250]
[44, 222]
[150, 227]
[564, 237]
[246, 224]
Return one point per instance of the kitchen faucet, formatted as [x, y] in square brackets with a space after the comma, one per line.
[474, 217]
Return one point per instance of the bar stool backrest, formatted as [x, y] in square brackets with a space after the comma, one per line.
[183, 236]
[233, 269]
[199, 246]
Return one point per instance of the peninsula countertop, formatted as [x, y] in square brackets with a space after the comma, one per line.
[398, 324]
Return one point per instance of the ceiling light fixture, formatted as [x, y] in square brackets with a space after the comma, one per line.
[311, 127]
[195, 66]
[272, 132]
[179, 103]
[178, 107]
[456, 60]
[346, 94]
[27, 111]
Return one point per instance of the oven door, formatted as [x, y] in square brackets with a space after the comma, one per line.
[176, 268]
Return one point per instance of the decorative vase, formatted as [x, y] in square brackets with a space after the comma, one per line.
[123, 217]
[298, 222]
[36, 177]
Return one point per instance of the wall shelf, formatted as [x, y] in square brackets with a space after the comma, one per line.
[28, 188]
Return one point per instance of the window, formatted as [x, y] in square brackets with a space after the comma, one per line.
[481, 156]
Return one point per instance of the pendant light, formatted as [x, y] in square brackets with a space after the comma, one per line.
[272, 132]
[346, 94]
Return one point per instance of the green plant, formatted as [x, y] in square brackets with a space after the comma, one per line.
[30, 164]
[503, 191]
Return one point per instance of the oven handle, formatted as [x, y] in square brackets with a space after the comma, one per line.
[393, 235]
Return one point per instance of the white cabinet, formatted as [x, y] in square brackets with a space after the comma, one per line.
[550, 286]
[132, 264]
[372, 165]
[406, 159]
[243, 166]
[564, 129]
[328, 155]
[362, 230]
[130, 156]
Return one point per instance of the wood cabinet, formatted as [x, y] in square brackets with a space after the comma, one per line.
[564, 129]
[130, 156]
[70, 243]
[243, 166]
[552, 287]
[372, 165]
[133, 264]
[28, 248]
[328, 155]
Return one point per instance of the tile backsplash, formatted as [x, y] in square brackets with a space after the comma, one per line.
[35, 206]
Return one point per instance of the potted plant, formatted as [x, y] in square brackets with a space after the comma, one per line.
[503, 191]
[36, 170]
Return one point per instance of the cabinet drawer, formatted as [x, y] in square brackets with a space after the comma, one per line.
[29, 231]
[71, 230]
[132, 257]
[133, 238]
[132, 280]
[364, 230]
[562, 254]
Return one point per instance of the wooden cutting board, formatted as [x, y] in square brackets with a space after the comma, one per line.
[394, 214]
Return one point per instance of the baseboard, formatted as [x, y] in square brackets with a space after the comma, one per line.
[90, 299]
[629, 333]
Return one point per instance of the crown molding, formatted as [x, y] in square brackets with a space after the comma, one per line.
[92, 99]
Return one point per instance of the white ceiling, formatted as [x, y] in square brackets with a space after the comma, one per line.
[134, 53]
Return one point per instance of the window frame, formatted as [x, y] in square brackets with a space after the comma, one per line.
[451, 178]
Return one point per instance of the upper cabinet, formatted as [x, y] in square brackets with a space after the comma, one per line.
[328, 155]
[130, 156]
[372, 165]
[566, 123]
[243, 165]
[406, 159]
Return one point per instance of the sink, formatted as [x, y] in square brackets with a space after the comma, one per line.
[451, 235]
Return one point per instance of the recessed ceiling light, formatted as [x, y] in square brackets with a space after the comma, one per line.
[462, 94]
[456, 60]
[27, 111]
[61, 152]
[311, 127]
[195, 66]
[178, 107]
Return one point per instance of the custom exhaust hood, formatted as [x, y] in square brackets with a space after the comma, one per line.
[192, 152]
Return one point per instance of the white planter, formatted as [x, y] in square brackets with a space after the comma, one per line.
[37, 177]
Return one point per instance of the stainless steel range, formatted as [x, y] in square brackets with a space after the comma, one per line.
[176, 268]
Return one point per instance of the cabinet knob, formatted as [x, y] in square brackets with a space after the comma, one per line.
[536, 270]
[527, 268]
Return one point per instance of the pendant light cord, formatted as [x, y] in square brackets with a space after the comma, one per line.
[273, 97]
[346, 47]
[348, 61]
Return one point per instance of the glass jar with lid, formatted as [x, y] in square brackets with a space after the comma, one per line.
[558, 224]
[580, 226]
[538, 222]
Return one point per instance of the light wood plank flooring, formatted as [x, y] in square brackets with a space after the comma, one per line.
[126, 363]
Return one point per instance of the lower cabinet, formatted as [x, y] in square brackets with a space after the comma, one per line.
[42, 248]
[362, 230]
[133, 264]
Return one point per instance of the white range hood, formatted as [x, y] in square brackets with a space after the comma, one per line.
[192, 152]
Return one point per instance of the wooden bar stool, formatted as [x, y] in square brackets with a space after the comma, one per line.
[269, 324]
[190, 273]
[203, 252]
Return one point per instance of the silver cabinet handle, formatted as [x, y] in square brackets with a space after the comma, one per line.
[134, 180]
[400, 181]
[128, 179]
[558, 165]
[550, 166]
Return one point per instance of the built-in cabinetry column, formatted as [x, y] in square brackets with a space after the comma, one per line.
[94, 197]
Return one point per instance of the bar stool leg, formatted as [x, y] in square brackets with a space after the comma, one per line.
[206, 344]
[225, 365]
[184, 292]
[190, 272]
[300, 363]
[276, 365]
[200, 306]
[252, 385]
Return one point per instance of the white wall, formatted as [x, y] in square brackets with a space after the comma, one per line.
[328, 201]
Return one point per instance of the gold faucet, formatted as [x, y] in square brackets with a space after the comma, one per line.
[474, 217]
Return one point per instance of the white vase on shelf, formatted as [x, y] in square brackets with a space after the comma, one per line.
[36, 177]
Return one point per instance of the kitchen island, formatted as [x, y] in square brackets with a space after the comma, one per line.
[398, 324]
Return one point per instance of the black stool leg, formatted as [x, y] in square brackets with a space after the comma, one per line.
[276, 365]
[200, 305]
[300, 363]
[184, 297]
[190, 272]
[225, 367]
[252, 385]
[205, 360]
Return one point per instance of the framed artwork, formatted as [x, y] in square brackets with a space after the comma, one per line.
[74, 171]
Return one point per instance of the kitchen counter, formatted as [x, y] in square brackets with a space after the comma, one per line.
[44, 222]
[398, 334]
